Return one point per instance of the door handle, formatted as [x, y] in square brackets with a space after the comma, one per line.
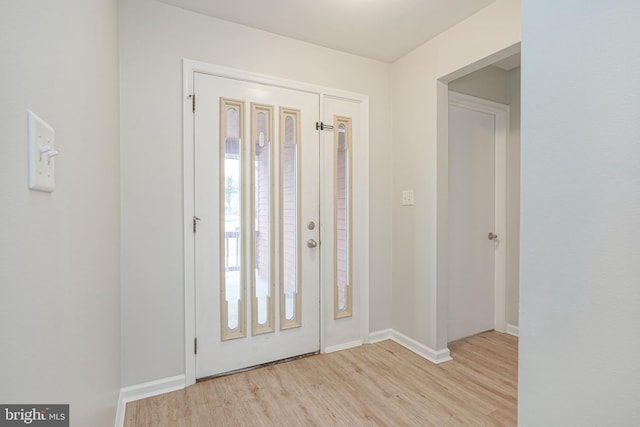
[311, 243]
[492, 236]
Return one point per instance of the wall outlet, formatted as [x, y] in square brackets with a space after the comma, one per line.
[42, 151]
[407, 198]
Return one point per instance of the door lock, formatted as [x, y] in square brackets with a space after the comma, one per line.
[492, 236]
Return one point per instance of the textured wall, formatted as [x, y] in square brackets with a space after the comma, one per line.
[579, 316]
[59, 252]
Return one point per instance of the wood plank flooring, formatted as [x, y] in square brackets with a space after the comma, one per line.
[381, 384]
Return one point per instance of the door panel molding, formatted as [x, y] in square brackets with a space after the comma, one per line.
[361, 179]
[266, 142]
[240, 330]
[342, 163]
[285, 274]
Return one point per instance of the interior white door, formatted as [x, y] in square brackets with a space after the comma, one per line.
[471, 219]
[257, 208]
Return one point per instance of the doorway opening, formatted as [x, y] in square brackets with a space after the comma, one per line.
[489, 91]
[477, 222]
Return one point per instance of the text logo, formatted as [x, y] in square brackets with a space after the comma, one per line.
[34, 415]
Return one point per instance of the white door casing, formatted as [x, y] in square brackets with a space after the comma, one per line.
[477, 266]
[330, 336]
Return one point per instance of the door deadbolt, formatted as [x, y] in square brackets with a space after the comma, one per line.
[311, 225]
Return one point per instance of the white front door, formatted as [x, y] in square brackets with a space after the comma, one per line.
[471, 219]
[257, 263]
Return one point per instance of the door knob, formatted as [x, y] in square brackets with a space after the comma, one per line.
[492, 236]
[311, 243]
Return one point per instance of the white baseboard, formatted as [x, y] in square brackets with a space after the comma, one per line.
[434, 356]
[120, 411]
[513, 330]
[383, 335]
[142, 391]
[340, 347]
[420, 349]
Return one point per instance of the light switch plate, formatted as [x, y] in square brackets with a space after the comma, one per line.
[41, 154]
[407, 198]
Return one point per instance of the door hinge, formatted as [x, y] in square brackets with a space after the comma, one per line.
[193, 102]
[195, 346]
[322, 126]
[195, 223]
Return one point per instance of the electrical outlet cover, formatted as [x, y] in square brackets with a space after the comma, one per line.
[41, 164]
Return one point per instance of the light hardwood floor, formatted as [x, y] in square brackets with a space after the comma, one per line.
[380, 384]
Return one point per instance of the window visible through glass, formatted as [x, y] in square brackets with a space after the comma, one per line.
[232, 217]
[342, 215]
[262, 219]
[289, 217]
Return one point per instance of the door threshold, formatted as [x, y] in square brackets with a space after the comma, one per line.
[251, 368]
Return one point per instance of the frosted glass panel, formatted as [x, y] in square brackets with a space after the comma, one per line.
[342, 201]
[290, 299]
[232, 307]
[262, 306]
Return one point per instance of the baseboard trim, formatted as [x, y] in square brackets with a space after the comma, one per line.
[433, 356]
[513, 330]
[382, 335]
[420, 349]
[340, 347]
[144, 390]
[120, 411]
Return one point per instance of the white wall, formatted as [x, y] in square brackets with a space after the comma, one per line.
[59, 264]
[502, 86]
[415, 76]
[580, 294]
[154, 38]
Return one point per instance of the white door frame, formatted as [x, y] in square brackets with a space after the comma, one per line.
[360, 174]
[501, 114]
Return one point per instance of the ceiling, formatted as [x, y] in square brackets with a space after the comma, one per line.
[379, 29]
